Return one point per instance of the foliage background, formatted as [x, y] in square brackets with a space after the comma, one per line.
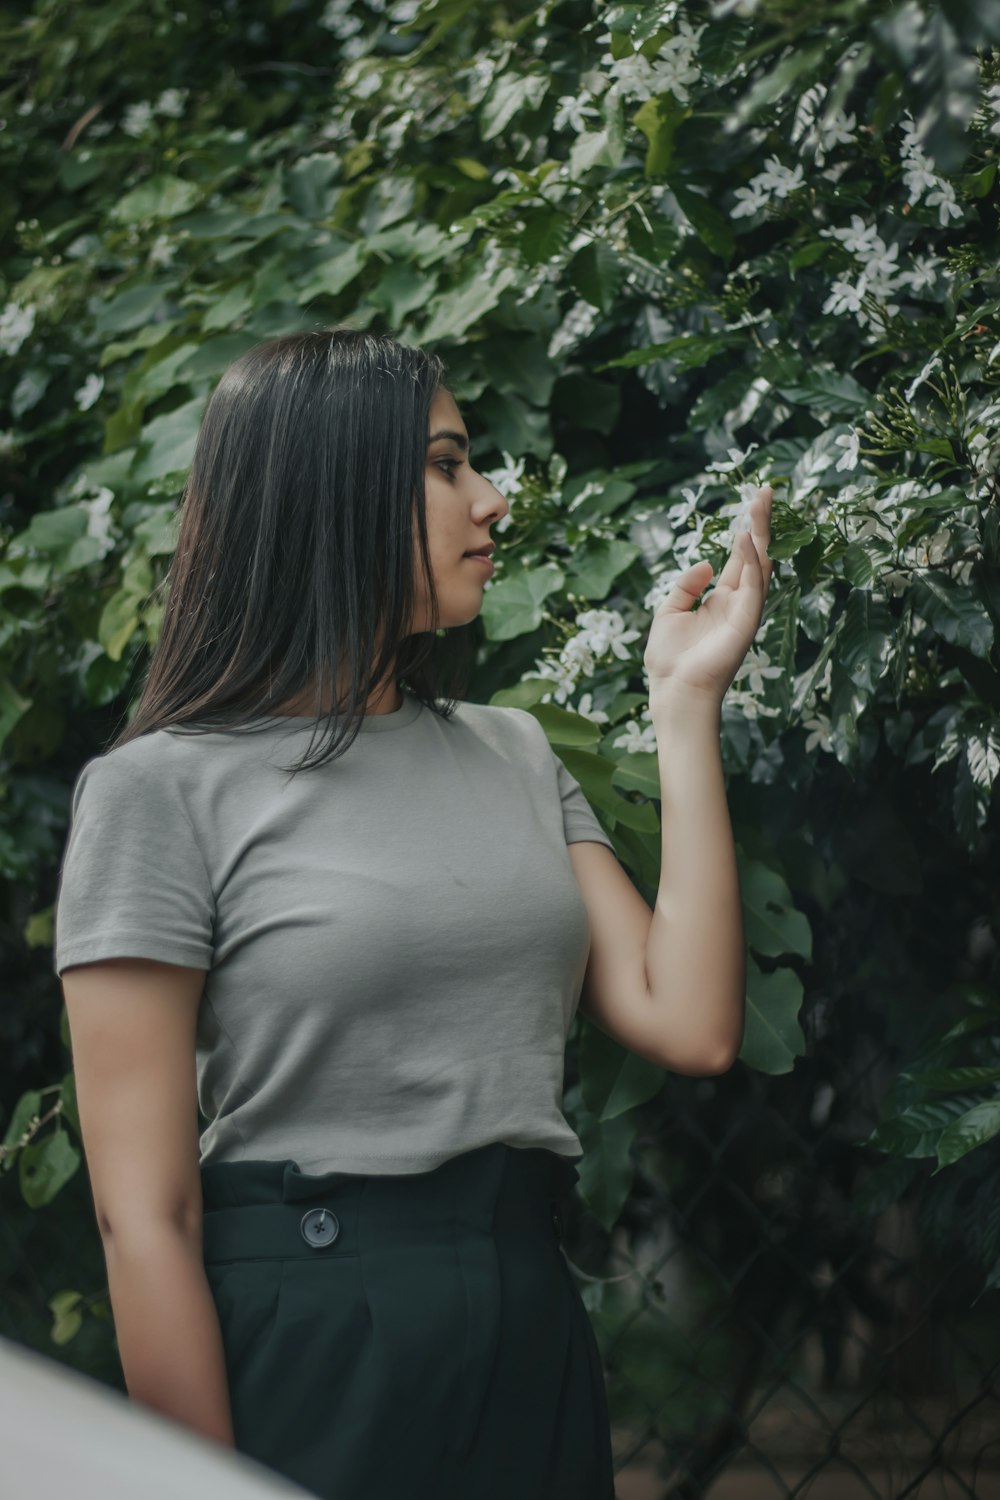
[667, 252]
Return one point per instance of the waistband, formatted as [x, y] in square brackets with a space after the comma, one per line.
[255, 1210]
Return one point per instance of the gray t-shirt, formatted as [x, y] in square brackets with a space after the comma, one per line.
[395, 941]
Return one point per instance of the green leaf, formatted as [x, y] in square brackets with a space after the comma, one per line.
[457, 308]
[401, 289]
[564, 727]
[590, 149]
[594, 773]
[916, 1130]
[638, 771]
[687, 351]
[159, 197]
[524, 694]
[508, 94]
[979, 1125]
[612, 1078]
[866, 637]
[772, 925]
[956, 1078]
[658, 119]
[778, 81]
[597, 273]
[333, 275]
[514, 605]
[68, 1101]
[772, 1037]
[45, 1166]
[545, 234]
[952, 612]
[229, 309]
[821, 388]
[139, 305]
[605, 1170]
[27, 1108]
[307, 184]
[711, 226]
[808, 255]
[167, 443]
[67, 1319]
[595, 569]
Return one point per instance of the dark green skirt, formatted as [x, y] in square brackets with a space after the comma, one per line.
[415, 1335]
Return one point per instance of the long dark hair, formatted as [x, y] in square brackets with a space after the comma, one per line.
[295, 545]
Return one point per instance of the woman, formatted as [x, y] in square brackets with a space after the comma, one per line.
[354, 1275]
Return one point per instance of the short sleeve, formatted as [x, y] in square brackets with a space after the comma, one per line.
[579, 819]
[133, 881]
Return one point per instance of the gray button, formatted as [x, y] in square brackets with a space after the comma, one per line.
[320, 1227]
[557, 1223]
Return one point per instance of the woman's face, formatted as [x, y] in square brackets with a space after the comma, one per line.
[461, 507]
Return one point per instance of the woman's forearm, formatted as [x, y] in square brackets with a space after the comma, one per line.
[695, 952]
[167, 1326]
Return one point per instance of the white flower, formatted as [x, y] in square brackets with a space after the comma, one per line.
[679, 512]
[737, 457]
[859, 238]
[921, 178]
[635, 739]
[137, 118]
[99, 521]
[162, 251]
[820, 135]
[586, 709]
[601, 631]
[89, 392]
[778, 179]
[564, 679]
[756, 667]
[850, 456]
[16, 323]
[819, 727]
[508, 478]
[991, 98]
[917, 382]
[844, 297]
[674, 67]
[171, 102]
[942, 196]
[338, 19]
[923, 273]
[572, 112]
[749, 200]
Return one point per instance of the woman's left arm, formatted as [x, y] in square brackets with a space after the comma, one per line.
[670, 983]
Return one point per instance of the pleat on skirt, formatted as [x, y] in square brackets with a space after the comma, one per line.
[416, 1335]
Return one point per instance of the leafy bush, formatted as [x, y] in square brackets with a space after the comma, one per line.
[667, 253]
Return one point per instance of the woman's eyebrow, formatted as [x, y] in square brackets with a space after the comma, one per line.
[456, 437]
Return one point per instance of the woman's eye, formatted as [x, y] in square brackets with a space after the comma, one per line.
[453, 463]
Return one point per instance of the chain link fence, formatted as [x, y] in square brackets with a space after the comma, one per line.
[773, 1319]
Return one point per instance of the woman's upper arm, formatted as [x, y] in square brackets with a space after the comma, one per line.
[132, 1024]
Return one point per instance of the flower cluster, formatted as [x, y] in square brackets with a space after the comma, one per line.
[598, 633]
[819, 134]
[137, 118]
[672, 71]
[508, 481]
[879, 279]
[921, 179]
[16, 323]
[776, 181]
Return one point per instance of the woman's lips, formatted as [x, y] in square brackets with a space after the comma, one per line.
[484, 562]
